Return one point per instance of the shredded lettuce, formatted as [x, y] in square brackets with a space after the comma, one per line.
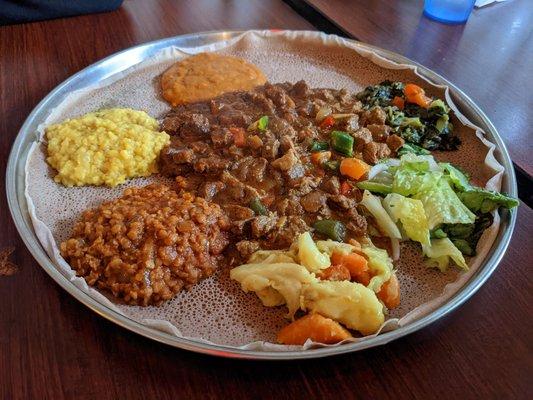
[373, 205]
[457, 178]
[415, 174]
[439, 253]
[410, 212]
[442, 206]
[485, 201]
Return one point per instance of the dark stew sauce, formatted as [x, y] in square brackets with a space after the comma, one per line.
[251, 152]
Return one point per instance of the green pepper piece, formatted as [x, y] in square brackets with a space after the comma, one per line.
[319, 146]
[260, 125]
[258, 207]
[342, 142]
[335, 230]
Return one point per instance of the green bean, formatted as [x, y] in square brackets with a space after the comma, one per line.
[330, 228]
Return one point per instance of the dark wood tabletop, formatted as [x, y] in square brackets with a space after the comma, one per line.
[53, 347]
[490, 57]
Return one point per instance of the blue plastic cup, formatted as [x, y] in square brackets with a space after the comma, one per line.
[448, 11]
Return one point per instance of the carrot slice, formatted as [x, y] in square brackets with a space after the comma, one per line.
[327, 122]
[239, 137]
[315, 327]
[320, 157]
[354, 168]
[389, 293]
[355, 263]
[335, 273]
[345, 188]
[415, 94]
[398, 102]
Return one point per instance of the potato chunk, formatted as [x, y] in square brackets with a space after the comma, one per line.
[315, 327]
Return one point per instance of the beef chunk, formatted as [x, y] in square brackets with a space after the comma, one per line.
[295, 174]
[357, 225]
[304, 185]
[289, 206]
[186, 124]
[350, 124]
[373, 152]
[380, 133]
[208, 190]
[263, 224]
[237, 190]
[287, 161]
[342, 202]
[265, 104]
[300, 89]
[246, 248]
[250, 168]
[230, 117]
[211, 165]
[254, 142]
[395, 142]
[236, 212]
[270, 148]
[331, 185]
[376, 116]
[280, 128]
[221, 137]
[286, 230]
[314, 201]
[362, 136]
[286, 144]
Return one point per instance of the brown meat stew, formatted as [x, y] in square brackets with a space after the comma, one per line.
[261, 173]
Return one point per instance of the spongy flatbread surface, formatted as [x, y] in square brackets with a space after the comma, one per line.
[216, 310]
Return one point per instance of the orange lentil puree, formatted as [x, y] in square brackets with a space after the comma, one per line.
[149, 244]
[207, 75]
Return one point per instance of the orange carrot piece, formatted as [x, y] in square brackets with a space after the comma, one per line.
[345, 188]
[415, 94]
[355, 263]
[239, 137]
[398, 102]
[327, 122]
[389, 293]
[320, 157]
[354, 168]
[335, 273]
[315, 327]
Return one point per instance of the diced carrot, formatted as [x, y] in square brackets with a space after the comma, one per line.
[415, 94]
[335, 273]
[320, 157]
[355, 263]
[389, 293]
[411, 89]
[398, 102]
[239, 137]
[345, 188]
[354, 168]
[327, 122]
[315, 327]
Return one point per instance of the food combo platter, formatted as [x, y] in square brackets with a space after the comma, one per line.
[359, 164]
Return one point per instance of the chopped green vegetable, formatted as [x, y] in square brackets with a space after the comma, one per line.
[386, 224]
[438, 107]
[330, 228]
[342, 142]
[440, 251]
[412, 148]
[477, 199]
[464, 247]
[394, 117]
[261, 124]
[375, 187]
[412, 122]
[442, 206]
[333, 165]
[319, 146]
[438, 234]
[410, 212]
[258, 207]
[470, 233]
[381, 95]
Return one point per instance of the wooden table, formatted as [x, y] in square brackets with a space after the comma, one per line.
[52, 347]
[490, 57]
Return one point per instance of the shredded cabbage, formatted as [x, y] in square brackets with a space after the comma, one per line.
[384, 221]
[440, 251]
[309, 255]
[410, 212]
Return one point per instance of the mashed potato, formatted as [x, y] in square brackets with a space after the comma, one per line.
[105, 147]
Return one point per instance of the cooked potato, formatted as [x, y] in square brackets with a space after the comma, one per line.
[315, 327]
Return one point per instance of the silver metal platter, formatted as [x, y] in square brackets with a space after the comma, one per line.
[127, 58]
